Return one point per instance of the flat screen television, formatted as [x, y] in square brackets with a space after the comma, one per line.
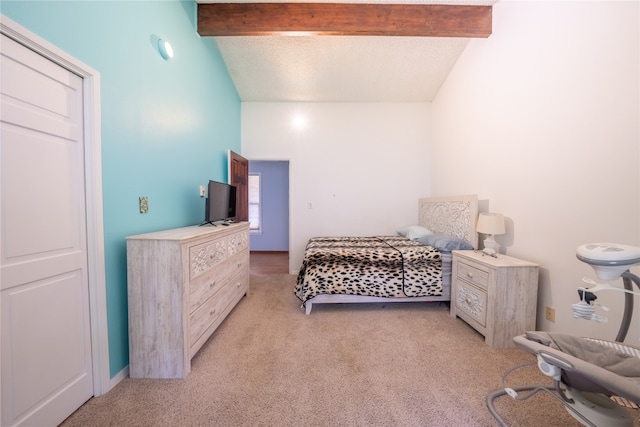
[220, 205]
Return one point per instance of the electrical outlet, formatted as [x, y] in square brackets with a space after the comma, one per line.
[550, 314]
[203, 191]
[144, 204]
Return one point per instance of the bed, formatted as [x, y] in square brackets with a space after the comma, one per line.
[413, 266]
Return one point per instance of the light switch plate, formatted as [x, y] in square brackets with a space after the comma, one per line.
[144, 204]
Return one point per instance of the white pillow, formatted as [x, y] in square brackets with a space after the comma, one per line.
[414, 232]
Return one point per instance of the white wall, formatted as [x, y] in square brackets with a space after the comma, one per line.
[361, 166]
[542, 119]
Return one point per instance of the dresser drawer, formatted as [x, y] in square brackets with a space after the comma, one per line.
[471, 301]
[206, 256]
[473, 274]
[208, 283]
[209, 312]
[238, 243]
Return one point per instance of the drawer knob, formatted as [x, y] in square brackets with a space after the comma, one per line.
[212, 284]
[469, 274]
[212, 312]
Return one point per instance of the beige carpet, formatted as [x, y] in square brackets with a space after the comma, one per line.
[344, 365]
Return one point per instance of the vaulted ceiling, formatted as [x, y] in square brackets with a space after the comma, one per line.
[373, 51]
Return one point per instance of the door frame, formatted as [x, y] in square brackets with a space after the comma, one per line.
[292, 269]
[93, 193]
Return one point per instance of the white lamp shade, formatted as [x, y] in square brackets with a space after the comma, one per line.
[490, 223]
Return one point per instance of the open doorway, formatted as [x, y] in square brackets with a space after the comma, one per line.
[269, 207]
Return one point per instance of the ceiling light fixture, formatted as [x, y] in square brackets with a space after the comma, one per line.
[165, 49]
[299, 121]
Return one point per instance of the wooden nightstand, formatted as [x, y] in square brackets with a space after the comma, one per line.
[496, 296]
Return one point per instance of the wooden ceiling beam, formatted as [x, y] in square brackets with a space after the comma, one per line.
[343, 19]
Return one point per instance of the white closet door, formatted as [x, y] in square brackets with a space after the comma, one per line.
[46, 340]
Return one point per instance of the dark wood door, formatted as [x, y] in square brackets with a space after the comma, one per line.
[239, 176]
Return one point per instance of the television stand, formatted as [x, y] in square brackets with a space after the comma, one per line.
[216, 223]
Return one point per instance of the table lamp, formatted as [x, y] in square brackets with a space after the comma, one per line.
[490, 224]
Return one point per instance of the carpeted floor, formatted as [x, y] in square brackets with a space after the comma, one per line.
[344, 365]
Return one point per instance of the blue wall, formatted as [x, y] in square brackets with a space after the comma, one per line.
[274, 198]
[166, 125]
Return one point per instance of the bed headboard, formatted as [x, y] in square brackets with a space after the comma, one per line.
[455, 216]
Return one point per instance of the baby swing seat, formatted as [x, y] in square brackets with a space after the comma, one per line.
[587, 364]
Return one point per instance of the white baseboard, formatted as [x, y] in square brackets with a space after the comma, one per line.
[124, 373]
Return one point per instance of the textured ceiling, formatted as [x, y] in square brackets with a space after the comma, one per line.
[342, 68]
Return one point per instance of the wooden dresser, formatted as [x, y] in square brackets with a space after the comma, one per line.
[182, 283]
[498, 297]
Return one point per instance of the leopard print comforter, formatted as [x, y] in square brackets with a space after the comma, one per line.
[388, 266]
